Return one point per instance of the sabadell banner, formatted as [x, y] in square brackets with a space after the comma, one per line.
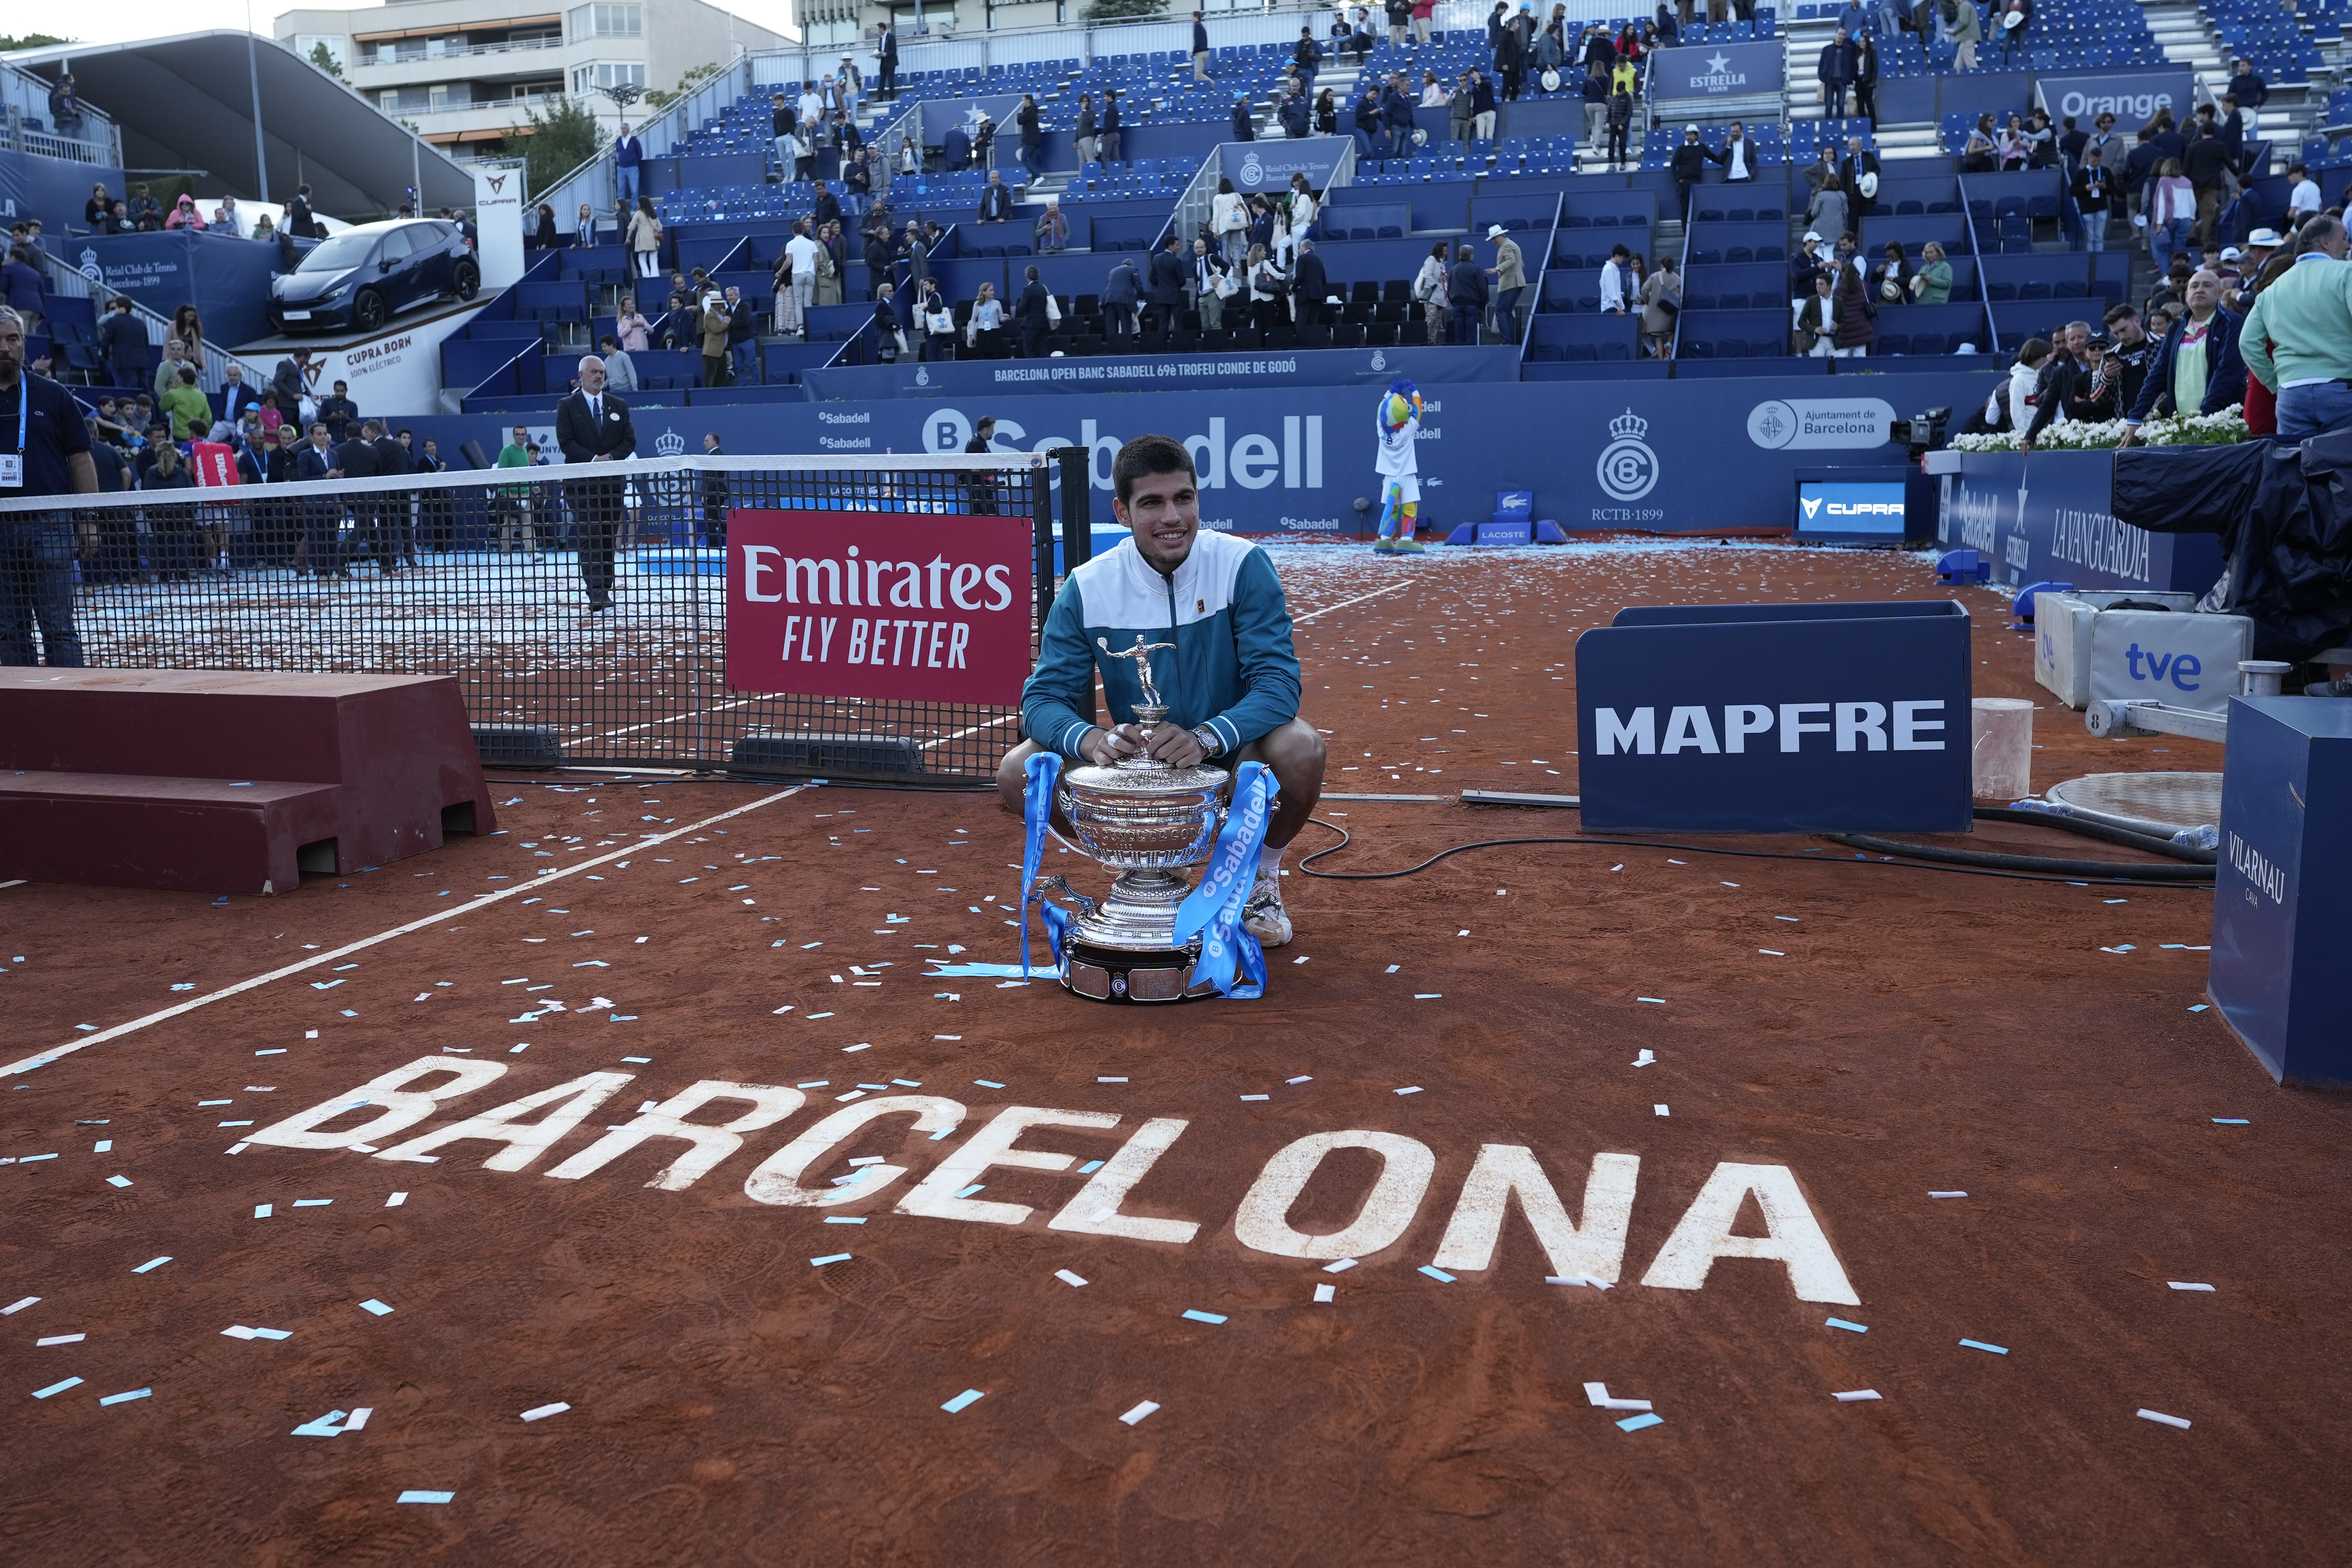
[1686, 456]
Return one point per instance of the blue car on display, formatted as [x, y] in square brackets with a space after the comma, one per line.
[364, 276]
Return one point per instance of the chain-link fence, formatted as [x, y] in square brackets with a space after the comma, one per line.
[492, 576]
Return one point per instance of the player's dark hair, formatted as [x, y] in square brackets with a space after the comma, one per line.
[1145, 456]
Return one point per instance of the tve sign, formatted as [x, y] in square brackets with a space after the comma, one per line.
[879, 604]
[2184, 661]
[1776, 718]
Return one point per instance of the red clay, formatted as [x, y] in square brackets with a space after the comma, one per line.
[1913, 1031]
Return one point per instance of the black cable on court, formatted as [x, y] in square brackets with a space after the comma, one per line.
[2134, 872]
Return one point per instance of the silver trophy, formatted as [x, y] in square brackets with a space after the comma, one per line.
[1149, 823]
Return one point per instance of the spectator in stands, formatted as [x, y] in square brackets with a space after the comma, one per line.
[1815, 330]
[2233, 131]
[1617, 286]
[50, 445]
[1031, 150]
[1082, 135]
[2009, 21]
[1307, 58]
[1430, 292]
[1111, 122]
[1298, 116]
[1858, 174]
[1932, 283]
[185, 215]
[1980, 154]
[147, 215]
[1122, 291]
[2209, 169]
[1621, 127]
[784, 124]
[620, 370]
[1510, 276]
[1689, 166]
[1165, 287]
[2297, 340]
[1482, 106]
[825, 209]
[1052, 231]
[189, 328]
[1420, 12]
[1201, 50]
[890, 344]
[167, 372]
[936, 318]
[831, 257]
[117, 221]
[2172, 205]
[185, 402]
[1268, 288]
[984, 331]
[2041, 141]
[1370, 134]
[2113, 153]
[1889, 282]
[857, 175]
[915, 250]
[237, 398]
[1828, 211]
[65, 106]
[1211, 281]
[711, 322]
[1857, 317]
[1964, 29]
[1661, 301]
[22, 291]
[1511, 60]
[1245, 118]
[1550, 50]
[96, 210]
[628, 156]
[340, 412]
[1433, 93]
[1740, 156]
[2248, 89]
[1595, 93]
[1033, 314]
[2166, 136]
[885, 60]
[2303, 195]
[995, 199]
[2199, 367]
[1809, 263]
[645, 238]
[2061, 375]
[1835, 69]
[2093, 195]
[2014, 149]
[1311, 286]
[1396, 115]
[1326, 112]
[1865, 76]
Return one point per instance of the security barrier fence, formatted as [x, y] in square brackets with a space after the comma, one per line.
[488, 574]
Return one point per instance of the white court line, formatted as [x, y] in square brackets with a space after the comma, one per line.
[42, 1059]
[17, 883]
[1394, 588]
[973, 730]
[689, 713]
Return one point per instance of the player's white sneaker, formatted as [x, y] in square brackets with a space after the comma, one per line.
[1263, 916]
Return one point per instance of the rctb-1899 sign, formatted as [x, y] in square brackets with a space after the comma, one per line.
[918, 607]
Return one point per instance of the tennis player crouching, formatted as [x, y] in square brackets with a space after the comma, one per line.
[1231, 682]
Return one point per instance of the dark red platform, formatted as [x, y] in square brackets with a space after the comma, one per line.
[228, 781]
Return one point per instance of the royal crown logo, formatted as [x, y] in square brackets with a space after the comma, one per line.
[670, 444]
[922, 375]
[1628, 469]
[1629, 427]
[1380, 360]
[91, 268]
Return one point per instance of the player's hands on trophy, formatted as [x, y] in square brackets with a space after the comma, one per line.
[1179, 748]
[1105, 747]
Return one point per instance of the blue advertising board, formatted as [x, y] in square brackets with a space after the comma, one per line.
[2282, 889]
[2044, 518]
[1776, 718]
[164, 271]
[1690, 456]
[1267, 165]
[1161, 372]
[1687, 78]
[1850, 511]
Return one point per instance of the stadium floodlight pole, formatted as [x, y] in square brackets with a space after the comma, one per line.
[253, 74]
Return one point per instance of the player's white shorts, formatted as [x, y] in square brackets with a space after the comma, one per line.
[1405, 486]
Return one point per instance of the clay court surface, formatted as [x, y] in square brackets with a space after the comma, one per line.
[1910, 1031]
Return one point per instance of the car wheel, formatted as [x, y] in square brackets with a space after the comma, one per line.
[469, 280]
[368, 311]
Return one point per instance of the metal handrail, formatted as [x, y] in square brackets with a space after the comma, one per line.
[462, 52]
[213, 363]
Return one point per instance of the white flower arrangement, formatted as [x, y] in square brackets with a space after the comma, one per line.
[2222, 429]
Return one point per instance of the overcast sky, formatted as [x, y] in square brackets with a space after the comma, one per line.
[123, 21]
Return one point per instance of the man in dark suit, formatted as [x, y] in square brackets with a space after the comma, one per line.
[886, 51]
[1122, 290]
[1308, 284]
[1858, 161]
[591, 426]
[1029, 315]
[995, 199]
[1167, 290]
[360, 458]
[398, 511]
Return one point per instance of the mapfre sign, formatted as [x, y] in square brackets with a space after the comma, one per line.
[900, 606]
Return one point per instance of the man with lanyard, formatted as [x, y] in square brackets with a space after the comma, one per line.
[45, 451]
[2198, 370]
[594, 427]
[1231, 681]
[2298, 337]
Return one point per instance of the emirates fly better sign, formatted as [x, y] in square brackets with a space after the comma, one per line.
[923, 608]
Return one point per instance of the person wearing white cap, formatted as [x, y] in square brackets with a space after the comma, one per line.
[1510, 275]
[1690, 164]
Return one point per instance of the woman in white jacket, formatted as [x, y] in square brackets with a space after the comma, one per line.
[2023, 378]
[1429, 287]
[1229, 220]
[1297, 209]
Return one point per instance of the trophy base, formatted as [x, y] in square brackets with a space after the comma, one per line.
[1123, 974]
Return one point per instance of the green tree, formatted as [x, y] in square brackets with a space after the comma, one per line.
[556, 142]
[325, 61]
[656, 100]
[1119, 10]
[28, 41]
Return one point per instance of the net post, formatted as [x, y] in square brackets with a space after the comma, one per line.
[1077, 504]
[1041, 507]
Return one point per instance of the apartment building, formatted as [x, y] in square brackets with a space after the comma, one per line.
[465, 71]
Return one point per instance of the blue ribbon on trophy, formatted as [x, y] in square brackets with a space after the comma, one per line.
[1213, 911]
[1037, 812]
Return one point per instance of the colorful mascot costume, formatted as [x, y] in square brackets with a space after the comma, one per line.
[1398, 422]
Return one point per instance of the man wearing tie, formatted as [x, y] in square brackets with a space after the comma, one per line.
[593, 425]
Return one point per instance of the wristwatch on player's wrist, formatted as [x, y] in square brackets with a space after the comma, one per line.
[1209, 744]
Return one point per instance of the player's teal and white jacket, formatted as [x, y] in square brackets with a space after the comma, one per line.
[1233, 667]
